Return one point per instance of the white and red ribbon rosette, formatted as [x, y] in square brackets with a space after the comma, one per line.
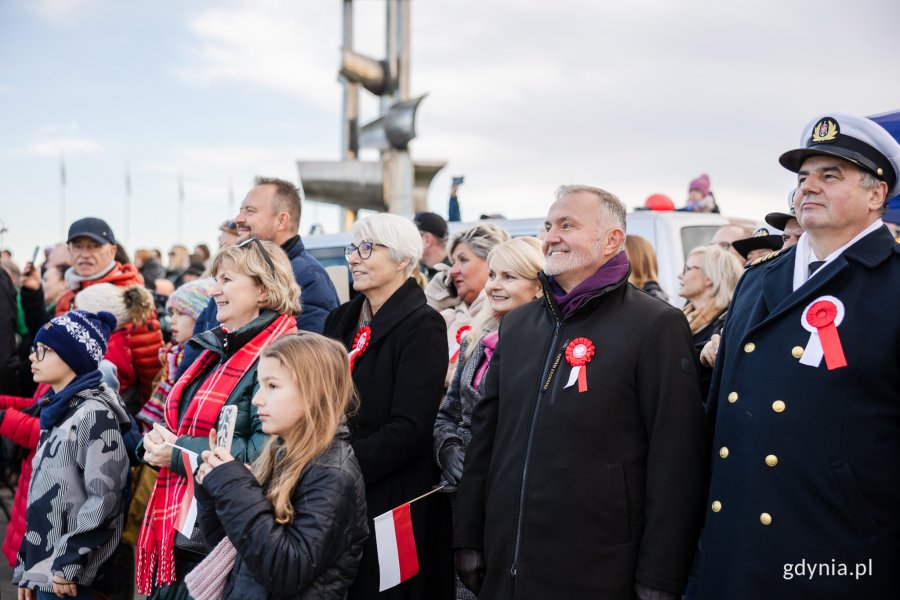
[360, 343]
[579, 353]
[821, 319]
[454, 351]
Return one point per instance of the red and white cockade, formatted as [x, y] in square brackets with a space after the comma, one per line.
[821, 318]
[579, 353]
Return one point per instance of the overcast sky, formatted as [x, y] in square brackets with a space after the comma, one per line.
[637, 97]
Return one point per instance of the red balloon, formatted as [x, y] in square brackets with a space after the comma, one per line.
[659, 202]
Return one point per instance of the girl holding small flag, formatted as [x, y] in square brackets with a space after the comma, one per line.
[294, 526]
[398, 356]
[257, 299]
[512, 281]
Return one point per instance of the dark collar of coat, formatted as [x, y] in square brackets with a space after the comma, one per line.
[225, 344]
[778, 279]
[293, 247]
[406, 300]
[553, 306]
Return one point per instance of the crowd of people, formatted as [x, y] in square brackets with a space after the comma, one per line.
[224, 427]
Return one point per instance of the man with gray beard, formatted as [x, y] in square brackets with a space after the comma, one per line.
[586, 468]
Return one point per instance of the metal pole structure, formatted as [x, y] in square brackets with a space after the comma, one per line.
[350, 124]
[389, 97]
[403, 50]
[398, 167]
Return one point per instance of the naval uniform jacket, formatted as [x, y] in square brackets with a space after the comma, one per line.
[578, 495]
[806, 460]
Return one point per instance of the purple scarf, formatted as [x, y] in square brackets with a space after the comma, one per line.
[612, 272]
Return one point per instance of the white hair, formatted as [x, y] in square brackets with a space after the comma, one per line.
[400, 236]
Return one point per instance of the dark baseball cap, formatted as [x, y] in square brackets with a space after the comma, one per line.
[432, 223]
[92, 227]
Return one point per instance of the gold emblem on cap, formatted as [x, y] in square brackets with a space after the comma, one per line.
[826, 130]
[879, 171]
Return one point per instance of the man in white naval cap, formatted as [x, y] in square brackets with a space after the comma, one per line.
[804, 495]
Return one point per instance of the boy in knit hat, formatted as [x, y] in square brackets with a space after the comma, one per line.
[185, 305]
[75, 508]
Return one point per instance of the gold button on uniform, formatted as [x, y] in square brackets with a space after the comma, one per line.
[749, 347]
[771, 460]
[732, 397]
[765, 519]
[716, 506]
[723, 452]
[797, 351]
[778, 406]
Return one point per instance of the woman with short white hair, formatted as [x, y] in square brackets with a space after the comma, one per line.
[397, 349]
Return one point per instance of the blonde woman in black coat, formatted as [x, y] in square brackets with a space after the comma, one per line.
[398, 356]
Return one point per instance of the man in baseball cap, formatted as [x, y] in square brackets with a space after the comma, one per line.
[433, 229]
[92, 245]
[807, 424]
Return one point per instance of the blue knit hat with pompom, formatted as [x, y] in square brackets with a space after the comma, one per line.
[79, 338]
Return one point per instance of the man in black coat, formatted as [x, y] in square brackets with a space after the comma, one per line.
[586, 467]
[805, 492]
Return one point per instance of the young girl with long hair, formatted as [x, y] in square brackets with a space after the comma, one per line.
[294, 525]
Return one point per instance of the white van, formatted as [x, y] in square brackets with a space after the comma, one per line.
[672, 235]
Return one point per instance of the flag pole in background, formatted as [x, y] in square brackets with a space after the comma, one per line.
[397, 559]
[127, 237]
[180, 208]
[62, 195]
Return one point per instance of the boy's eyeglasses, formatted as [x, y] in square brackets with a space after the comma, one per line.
[364, 249]
[40, 351]
[262, 249]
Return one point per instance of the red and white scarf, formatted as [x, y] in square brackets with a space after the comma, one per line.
[155, 551]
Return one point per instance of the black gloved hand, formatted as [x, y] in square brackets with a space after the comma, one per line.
[452, 458]
[470, 568]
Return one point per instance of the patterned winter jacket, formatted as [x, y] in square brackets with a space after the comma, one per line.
[75, 501]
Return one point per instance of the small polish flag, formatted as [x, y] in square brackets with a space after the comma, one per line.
[187, 514]
[397, 560]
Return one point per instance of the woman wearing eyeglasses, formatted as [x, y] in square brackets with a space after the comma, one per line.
[708, 280]
[398, 358]
[257, 300]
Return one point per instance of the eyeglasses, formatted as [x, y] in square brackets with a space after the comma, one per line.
[40, 351]
[724, 245]
[364, 249]
[687, 268]
[262, 249]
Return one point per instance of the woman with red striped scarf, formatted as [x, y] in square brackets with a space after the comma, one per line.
[257, 300]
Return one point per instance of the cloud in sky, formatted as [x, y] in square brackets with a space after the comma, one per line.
[58, 12]
[63, 145]
[524, 95]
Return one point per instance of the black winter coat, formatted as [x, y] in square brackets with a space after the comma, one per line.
[578, 495]
[315, 556]
[400, 378]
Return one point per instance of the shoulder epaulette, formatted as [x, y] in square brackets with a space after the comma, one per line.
[766, 258]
